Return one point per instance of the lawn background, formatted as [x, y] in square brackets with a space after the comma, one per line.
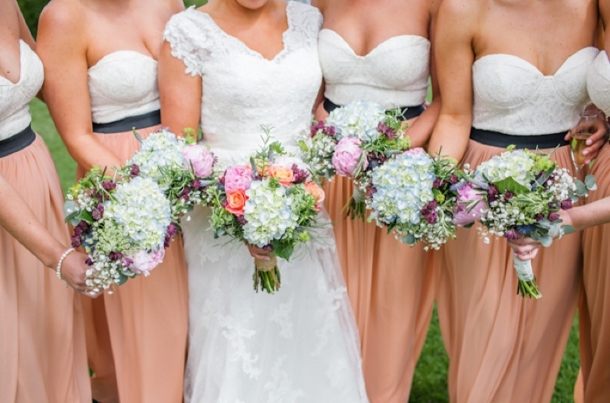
[430, 379]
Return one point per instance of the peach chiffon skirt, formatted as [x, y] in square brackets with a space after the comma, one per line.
[595, 304]
[137, 336]
[42, 341]
[502, 347]
[390, 287]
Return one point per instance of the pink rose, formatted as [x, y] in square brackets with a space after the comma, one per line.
[238, 177]
[465, 213]
[415, 151]
[143, 262]
[346, 157]
[201, 158]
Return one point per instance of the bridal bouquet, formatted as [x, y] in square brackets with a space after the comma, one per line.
[355, 140]
[181, 168]
[271, 203]
[122, 225]
[517, 194]
[414, 195]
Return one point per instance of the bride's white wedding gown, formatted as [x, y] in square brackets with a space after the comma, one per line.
[301, 344]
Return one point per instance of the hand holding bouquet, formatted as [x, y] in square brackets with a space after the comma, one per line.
[122, 225]
[270, 203]
[414, 195]
[354, 141]
[520, 193]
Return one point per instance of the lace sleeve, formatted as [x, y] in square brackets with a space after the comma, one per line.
[187, 41]
[308, 21]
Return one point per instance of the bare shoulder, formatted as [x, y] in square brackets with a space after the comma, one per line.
[63, 16]
[465, 10]
[175, 5]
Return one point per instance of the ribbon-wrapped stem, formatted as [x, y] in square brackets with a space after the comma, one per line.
[356, 207]
[267, 275]
[527, 281]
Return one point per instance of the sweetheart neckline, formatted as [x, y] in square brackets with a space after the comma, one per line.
[14, 84]
[379, 45]
[121, 51]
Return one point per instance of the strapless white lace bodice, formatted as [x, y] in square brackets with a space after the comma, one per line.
[15, 98]
[393, 74]
[241, 89]
[123, 84]
[598, 82]
[512, 96]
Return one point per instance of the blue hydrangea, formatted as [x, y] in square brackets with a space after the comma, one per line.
[357, 119]
[160, 149]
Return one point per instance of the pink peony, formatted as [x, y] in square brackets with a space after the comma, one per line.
[415, 151]
[346, 157]
[464, 215]
[201, 158]
[143, 262]
[238, 177]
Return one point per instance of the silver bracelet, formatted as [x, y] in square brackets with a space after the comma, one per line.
[61, 260]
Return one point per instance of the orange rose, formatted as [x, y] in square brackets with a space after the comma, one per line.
[236, 200]
[283, 174]
[317, 192]
[262, 167]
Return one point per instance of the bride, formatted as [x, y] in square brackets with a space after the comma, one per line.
[232, 66]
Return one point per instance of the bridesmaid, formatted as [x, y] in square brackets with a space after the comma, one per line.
[101, 69]
[380, 52]
[42, 341]
[498, 90]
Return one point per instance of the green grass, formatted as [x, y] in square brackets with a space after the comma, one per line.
[430, 379]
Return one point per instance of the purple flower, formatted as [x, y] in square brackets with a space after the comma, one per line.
[330, 131]
[89, 262]
[437, 183]
[511, 234]
[370, 192]
[127, 262]
[115, 256]
[299, 175]
[553, 216]
[453, 179]
[539, 217]
[508, 195]
[172, 230]
[167, 241]
[317, 127]
[134, 171]
[268, 248]
[492, 193]
[201, 159]
[386, 131]
[185, 197]
[75, 241]
[431, 217]
[98, 212]
[566, 204]
[346, 157]
[108, 186]
[196, 184]
[241, 220]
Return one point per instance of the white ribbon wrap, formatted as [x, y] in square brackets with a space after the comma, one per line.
[358, 194]
[523, 269]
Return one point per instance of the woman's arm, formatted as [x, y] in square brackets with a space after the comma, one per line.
[421, 130]
[19, 220]
[62, 46]
[454, 57]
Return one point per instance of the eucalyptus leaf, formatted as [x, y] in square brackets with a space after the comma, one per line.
[581, 189]
[567, 229]
[409, 239]
[511, 185]
[546, 241]
[590, 182]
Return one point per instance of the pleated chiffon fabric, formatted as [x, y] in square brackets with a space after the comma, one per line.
[594, 309]
[502, 347]
[137, 336]
[391, 289]
[42, 341]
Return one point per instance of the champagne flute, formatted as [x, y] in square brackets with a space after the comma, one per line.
[585, 128]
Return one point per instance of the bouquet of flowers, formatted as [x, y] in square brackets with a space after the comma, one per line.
[414, 195]
[122, 225]
[517, 194]
[355, 140]
[270, 203]
[182, 169]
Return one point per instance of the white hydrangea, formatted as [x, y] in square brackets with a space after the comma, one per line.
[515, 164]
[357, 119]
[403, 187]
[142, 209]
[160, 149]
[268, 213]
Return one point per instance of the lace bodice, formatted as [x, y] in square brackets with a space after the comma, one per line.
[241, 89]
[15, 98]
[393, 74]
[512, 96]
[123, 84]
[598, 82]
